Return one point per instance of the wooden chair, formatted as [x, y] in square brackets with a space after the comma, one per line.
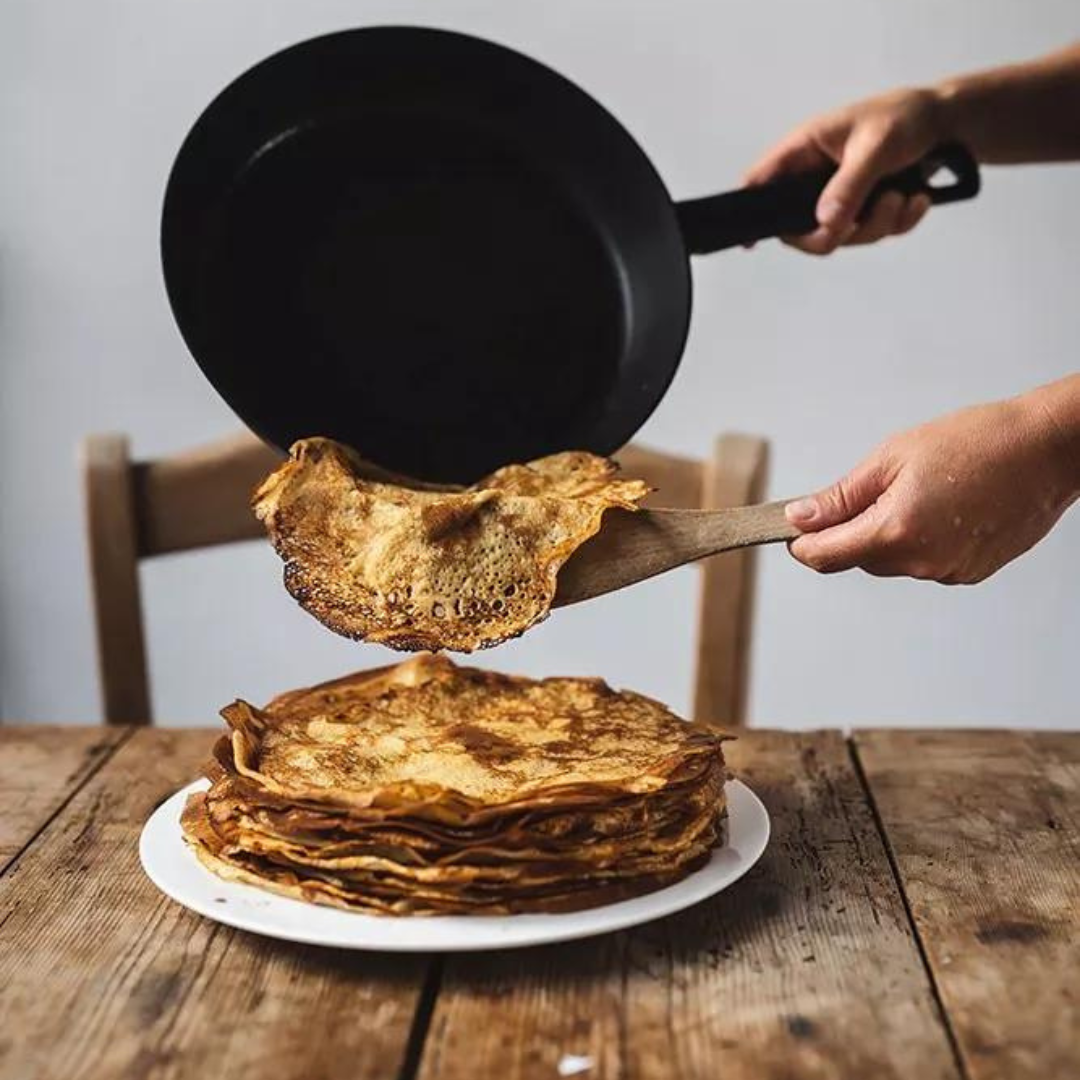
[140, 509]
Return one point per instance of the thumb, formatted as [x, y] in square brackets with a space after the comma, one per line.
[864, 161]
[845, 499]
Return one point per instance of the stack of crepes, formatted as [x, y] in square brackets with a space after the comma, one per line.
[428, 788]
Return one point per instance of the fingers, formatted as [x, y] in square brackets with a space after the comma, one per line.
[842, 547]
[841, 502]
[869, 152]
[864, 162]
[915, 210]
[892, 215]
[882, 219]
[795, 153]
[841, 525]
[868, 155]
[821, 241]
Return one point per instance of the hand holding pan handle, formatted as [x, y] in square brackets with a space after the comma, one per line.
[787, 207]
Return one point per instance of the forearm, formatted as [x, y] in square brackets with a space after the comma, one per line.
[1021, 113]
[1059, 403]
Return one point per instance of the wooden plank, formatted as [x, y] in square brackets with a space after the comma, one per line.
[40, 767]
[806, 969]
[101, 976]
[985, 831]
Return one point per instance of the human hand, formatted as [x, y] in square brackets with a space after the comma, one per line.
[951, 501]
[866, 141]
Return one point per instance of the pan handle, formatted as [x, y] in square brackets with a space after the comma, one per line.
[787, 207]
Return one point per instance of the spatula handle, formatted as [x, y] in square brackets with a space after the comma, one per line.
[764, 523]
[633, 546]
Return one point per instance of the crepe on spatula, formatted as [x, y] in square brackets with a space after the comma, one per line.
[428, 788]
[419, 568]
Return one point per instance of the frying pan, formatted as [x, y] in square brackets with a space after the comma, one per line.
[443, 253]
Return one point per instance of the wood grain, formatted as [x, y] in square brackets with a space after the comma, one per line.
[985, 831]
[40, 767]
[806, 969]
[102, 977]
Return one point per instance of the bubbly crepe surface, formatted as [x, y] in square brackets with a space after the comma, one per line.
[420, 568]
[428, 788]
[491, 738]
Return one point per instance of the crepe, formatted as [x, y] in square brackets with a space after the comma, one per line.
[428, 788]
[421, 568]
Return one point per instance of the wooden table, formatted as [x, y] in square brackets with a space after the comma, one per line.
[917, 915]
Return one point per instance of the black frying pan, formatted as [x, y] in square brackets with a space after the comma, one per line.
[443, 253]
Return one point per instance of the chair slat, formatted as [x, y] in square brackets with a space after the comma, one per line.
[677, 480]
[114, 579]
[735, 475]
[201, 498]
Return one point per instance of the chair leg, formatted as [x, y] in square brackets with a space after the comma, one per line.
[735, 475]
[114, 579]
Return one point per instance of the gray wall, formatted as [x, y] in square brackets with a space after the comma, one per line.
[825, 357]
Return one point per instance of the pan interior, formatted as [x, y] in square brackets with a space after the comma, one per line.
[427, 247]
[407, 280]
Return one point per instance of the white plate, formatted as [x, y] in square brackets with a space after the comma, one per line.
[174, 869]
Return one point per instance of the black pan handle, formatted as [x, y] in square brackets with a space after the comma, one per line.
[787, 207]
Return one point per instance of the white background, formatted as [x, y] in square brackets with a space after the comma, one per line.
[824, 357]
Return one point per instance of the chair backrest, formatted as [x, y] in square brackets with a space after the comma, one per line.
[139, 509]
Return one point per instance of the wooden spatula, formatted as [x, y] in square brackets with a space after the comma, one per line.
[634, 545]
